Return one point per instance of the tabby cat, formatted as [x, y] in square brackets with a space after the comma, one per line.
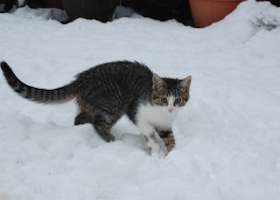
[108, 91]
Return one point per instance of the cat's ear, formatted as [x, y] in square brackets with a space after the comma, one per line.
[186, 83]
[157, 82]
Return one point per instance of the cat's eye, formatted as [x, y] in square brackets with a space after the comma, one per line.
[178, 101]
[163, 100]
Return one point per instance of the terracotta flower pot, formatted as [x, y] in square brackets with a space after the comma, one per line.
[205, 12]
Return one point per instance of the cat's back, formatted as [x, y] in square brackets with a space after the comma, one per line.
[118, 68]
[126, 75]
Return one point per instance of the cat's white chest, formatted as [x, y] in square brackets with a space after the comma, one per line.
[157, 116]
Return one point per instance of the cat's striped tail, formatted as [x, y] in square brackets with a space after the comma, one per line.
[57, 95]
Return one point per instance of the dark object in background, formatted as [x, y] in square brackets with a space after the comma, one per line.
[274, 2]
[45, 3]
[7, 5]
[101, 10]
[162, 9]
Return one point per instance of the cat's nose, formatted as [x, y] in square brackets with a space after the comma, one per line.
[170, 110]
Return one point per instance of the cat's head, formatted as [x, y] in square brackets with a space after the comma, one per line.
[170, 93]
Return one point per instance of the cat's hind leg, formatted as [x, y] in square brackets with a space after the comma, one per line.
[103, 122]
[82, 118]
[102, 115]
[85, 115]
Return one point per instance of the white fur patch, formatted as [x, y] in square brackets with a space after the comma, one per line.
[158, 116]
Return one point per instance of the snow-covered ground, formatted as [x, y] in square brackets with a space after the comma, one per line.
[228, 136]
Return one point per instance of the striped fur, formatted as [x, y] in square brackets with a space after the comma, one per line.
[57, 95]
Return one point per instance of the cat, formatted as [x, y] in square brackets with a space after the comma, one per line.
[108, 91]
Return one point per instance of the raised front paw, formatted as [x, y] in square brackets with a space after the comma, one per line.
[168, 138]
[169, 142]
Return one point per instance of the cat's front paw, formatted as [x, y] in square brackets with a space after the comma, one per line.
[169, 142]
[156, 149]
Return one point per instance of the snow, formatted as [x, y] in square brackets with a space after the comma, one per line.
[227, 136]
